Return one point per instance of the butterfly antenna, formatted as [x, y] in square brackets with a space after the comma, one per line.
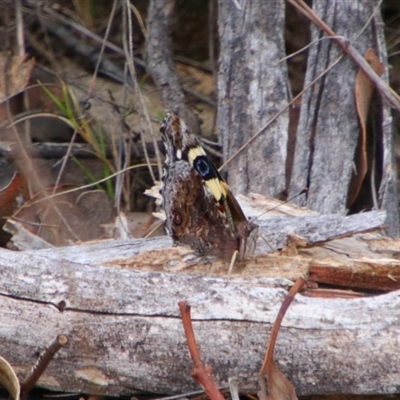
[267, 243]
[305, 190]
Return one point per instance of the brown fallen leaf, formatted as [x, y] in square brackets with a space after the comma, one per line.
[364, 89]
[277, 386]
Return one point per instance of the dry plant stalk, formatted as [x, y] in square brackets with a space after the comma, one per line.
[42, 363]
[201, 373]
[274, 384]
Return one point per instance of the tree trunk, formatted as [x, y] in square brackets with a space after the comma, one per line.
[329, 129]
[160, 61]
[252, 88]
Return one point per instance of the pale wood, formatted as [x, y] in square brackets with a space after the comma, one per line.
[252, 88]
[125, 333]
[327, 134]
[117, 301]
[317, 229]
[356, 263]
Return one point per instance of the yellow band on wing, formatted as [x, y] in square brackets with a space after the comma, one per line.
[195, 152]
[214, 185]
[212, 178]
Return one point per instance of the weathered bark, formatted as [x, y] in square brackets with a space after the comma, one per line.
[387, 192]
[160, 62]
[328, 130]
[125, 333]
[252, 88]
[117, 301]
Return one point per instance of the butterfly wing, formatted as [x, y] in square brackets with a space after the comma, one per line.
[207, 221]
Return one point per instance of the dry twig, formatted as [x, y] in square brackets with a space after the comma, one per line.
[42, 363]
[201, 373]
[274, 384]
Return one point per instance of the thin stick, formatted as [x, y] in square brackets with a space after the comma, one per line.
[128, 48]
[184, 395]
[103, 46]
[234, 388]
[266, 366]
[148, 234]
[201, 373]
[89, 185]
[42, 363]
[21, 52]
[64, 161]
[21, 151]
[20, 28]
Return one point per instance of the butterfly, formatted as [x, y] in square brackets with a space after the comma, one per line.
[200, 209]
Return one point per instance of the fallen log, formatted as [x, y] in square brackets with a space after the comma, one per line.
[117, 302]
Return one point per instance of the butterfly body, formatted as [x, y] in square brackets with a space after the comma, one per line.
[200, 209]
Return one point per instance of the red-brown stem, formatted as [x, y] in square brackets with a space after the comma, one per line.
[265, 369]
[201, 373]
[42, 364]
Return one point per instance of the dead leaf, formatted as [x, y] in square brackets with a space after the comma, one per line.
[364, 89]
[279, 387]
[8, 379]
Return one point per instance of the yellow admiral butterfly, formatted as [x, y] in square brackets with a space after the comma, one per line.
[200, 209]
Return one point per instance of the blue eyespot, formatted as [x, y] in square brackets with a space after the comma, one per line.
[202, 166]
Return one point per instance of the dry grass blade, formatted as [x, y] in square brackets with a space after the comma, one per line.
[292, 102]
[128, 48]
[22, 149]
[297, 97]
[103, 46]
[90, 185]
